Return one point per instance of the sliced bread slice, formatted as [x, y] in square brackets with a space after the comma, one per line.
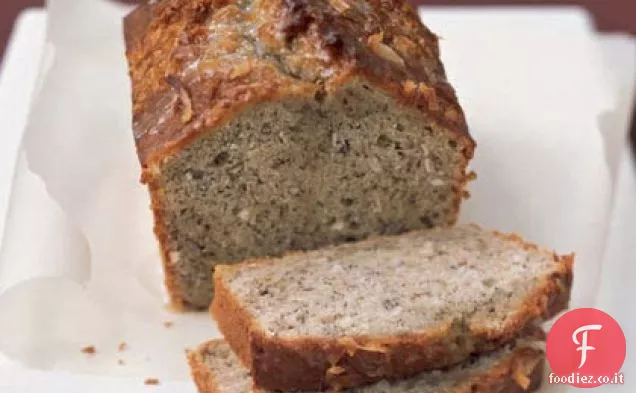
[216, 369]
[387, 307]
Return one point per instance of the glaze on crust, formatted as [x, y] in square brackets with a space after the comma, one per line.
[229, 55]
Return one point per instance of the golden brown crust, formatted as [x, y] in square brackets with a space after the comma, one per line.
[317, 363]
[170, 275]
[230, 54]
[232, 318]
[520, 372]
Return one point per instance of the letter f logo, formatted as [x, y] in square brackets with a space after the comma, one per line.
[583, 346]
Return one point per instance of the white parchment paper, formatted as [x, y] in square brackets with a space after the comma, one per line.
[79, 265]
[80, 222]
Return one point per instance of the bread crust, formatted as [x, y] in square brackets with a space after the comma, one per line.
[164, 38]
[520, 372]
[319, 363]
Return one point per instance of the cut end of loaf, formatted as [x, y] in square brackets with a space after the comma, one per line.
[268, 126]
[216, 369]
[303, 174]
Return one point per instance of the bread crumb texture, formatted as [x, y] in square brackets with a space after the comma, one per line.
[395, 284]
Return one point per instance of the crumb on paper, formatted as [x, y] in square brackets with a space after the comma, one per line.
[122, 346]
[168, 324]
[121, 362]
[151, 381]
[89, 350]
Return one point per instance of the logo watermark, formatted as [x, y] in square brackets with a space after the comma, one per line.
[578, 379]
[586, 348]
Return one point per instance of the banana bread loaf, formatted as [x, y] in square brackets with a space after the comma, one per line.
[264, 126]
[386, 307]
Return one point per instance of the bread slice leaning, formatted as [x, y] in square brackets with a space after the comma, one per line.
[389, 307]
[216, 369]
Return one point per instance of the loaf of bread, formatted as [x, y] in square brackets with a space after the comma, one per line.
[387, 307]
[216, 369]
[264, 126]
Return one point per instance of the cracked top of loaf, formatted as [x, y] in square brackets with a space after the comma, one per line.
[196, 63]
